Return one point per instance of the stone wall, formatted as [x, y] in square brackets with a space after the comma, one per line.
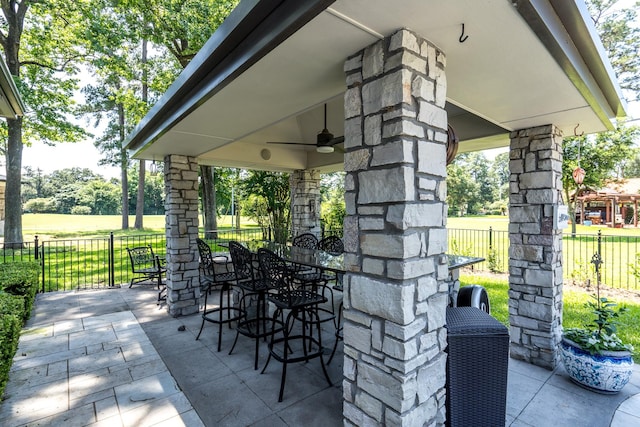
[395, 238]
[305, 202]
[535, 253]
[181, 206]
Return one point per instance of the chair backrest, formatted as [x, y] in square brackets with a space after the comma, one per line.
[274, 269]
[242, 260]
[331, 244]
[142, 258]
[206, 257]
[306, 240]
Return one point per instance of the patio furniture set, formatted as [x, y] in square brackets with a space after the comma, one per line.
[284, 293]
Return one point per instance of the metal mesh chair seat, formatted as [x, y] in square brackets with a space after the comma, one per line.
[296, 298]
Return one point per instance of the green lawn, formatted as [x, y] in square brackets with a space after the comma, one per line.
[574, 313]
[60, 226]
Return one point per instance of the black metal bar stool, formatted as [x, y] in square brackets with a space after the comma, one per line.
[211, 280]
[302, 305]
[256, 324]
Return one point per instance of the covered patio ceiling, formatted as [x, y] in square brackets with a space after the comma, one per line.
[267, 72]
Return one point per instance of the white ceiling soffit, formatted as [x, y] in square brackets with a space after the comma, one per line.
[520, 67]
[11, 105]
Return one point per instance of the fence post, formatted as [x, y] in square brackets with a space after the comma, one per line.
[42, 266]
[112, 271]
[490, 238]
[35, 247]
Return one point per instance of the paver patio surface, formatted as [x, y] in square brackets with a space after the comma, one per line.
[115, 358]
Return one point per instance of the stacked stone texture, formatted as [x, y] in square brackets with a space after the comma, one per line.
[305, 202]
[535, 253]
[181, 205]
[395, 238]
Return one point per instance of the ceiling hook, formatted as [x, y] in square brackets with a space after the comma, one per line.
[463, 38]
[575, 131]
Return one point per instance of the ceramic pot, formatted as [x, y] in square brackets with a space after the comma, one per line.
[606, 373]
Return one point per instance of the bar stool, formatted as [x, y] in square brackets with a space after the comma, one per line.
[302, 305]
[255, 289]
[211, 280]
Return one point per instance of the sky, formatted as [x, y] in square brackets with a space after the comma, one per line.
[84, 154]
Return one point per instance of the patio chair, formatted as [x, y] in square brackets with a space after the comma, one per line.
[147, 266]
[212, 279]
[257, 323]
[301, 305]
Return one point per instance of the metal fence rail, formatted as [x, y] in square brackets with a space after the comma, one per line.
[104, 262]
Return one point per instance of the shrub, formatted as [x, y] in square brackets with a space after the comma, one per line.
[21, 278]
[11, 315]
[81, 210]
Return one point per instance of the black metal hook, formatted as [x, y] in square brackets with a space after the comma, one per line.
[575, 131]
[463, 38]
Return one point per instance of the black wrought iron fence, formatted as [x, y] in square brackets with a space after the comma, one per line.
[99, 262]
[620, 255]
[104, 262]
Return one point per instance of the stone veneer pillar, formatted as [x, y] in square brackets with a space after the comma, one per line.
[535, 253]
[395, 238]
[181, 206]
[305, 202]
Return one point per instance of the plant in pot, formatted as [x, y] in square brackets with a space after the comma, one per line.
[594, 356]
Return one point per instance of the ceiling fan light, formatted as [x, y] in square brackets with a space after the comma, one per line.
[325, 149]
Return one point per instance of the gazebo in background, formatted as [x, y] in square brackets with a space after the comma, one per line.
[610, 205]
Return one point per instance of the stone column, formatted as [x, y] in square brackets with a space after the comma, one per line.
[535, 253]
[181, 206]
[305, 202]
[395, 237]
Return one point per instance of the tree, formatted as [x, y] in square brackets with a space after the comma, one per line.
[621, 39]
[39, 40]
[471, 184]
[273, 188]
[599, 155]
[333, 208]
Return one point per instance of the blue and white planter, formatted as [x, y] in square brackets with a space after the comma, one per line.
[606, 373]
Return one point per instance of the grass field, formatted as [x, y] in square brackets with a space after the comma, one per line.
[574, 314]
[59, 226]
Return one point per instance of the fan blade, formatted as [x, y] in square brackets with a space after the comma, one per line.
[290, 143]
[336, 140]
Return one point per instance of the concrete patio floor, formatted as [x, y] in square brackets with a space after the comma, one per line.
[115, 358]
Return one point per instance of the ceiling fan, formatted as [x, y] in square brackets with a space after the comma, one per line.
[325, 142]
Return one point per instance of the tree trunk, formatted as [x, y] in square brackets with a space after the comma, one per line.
[208, 202]
[13, 194]
[140, 194]
[123, 170]
[141, 170]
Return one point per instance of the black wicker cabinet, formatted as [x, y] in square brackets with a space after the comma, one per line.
[477, 364]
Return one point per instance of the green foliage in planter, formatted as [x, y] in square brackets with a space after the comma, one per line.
[11, 315]
[21, 278]
[600, 335]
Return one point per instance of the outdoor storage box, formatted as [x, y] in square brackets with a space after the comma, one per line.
[477, 364]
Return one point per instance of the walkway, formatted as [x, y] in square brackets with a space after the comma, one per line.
[114, 358]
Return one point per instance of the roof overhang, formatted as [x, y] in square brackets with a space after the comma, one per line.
[271, 66]
[11, 105]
